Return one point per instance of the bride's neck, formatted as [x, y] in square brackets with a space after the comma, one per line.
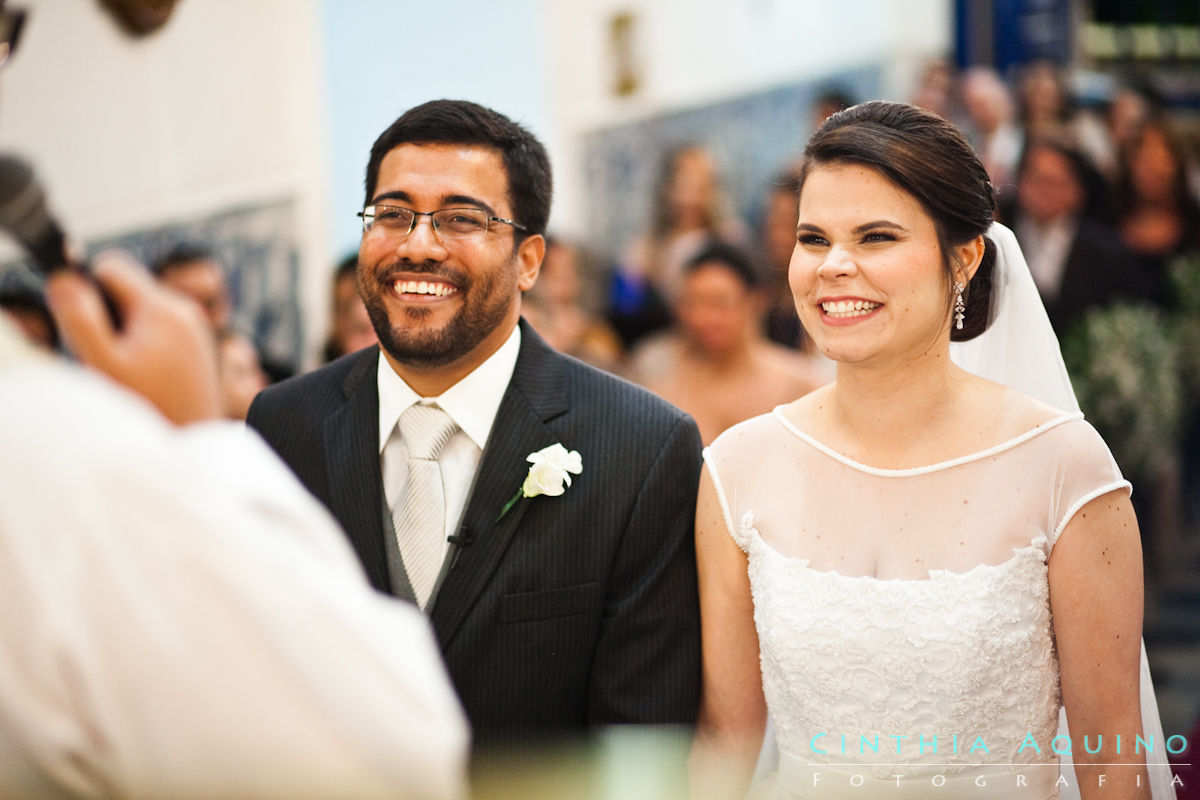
[891, 408]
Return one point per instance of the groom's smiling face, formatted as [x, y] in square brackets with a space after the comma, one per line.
[442, 304]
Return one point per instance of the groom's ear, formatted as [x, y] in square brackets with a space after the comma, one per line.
[970, 256]
[530, 253]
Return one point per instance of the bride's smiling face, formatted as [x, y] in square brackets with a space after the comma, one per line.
[867, 274]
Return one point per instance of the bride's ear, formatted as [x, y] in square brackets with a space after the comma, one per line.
[970, 256]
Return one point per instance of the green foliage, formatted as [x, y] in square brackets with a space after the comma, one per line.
[1124, 365]
[1136, 371]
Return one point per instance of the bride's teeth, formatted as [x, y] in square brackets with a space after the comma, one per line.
[849, 308]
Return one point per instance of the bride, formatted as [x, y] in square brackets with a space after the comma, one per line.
[914, 568]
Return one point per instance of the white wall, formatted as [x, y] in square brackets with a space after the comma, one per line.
[698, 51]
[222, 107]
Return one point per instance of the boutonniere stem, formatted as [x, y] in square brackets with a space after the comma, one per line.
[549, 474]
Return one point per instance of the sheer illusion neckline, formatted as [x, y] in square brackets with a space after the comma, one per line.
[1035, 550]
[1009, 444]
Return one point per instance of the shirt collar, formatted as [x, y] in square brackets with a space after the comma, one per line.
[472, 402]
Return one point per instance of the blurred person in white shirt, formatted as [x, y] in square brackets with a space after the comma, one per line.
[178, 617]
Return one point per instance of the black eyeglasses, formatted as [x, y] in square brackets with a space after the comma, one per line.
[448, 223]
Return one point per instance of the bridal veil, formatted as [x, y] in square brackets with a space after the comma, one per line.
[1021, 350]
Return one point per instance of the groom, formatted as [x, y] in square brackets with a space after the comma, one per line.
[556, 613]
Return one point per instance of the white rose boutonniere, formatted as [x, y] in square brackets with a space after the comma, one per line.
[550, 474]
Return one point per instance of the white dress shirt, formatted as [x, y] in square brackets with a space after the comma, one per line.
[472, 403]
[179, 618]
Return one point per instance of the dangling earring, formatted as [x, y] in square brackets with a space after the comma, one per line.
[960, 308]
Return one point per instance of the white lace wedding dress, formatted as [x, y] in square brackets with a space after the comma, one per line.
[907, 603]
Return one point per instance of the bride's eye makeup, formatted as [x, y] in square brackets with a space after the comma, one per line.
[811, 236]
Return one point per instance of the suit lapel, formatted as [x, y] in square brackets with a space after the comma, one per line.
[536, 394]
[351, 440]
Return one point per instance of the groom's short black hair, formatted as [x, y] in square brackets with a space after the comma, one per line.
[530, 182]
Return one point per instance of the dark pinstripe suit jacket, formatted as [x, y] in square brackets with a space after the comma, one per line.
[572, 611]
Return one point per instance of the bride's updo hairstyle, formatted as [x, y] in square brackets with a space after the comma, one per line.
[930, 159]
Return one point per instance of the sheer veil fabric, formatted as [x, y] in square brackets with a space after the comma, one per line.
[1020, 350]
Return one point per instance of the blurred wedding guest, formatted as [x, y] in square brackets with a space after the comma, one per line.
[1158, 216]
[350, 327]
[1130, 105]
[778, 238]
[25, 304]
[1046, 107]
[689, 210]
[992, 122]
[1077, 262]
[239, 373]
[558, 309]
[937, 90]
[180, 619]
[195, 271]
[716, 365]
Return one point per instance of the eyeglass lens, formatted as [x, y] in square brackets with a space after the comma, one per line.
[448, 222]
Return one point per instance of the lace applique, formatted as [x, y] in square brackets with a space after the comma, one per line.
[951, 656]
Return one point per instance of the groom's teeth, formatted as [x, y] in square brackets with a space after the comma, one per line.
[423, 287]
[849, 308]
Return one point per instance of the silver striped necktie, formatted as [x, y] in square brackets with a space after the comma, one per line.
[420, 516]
